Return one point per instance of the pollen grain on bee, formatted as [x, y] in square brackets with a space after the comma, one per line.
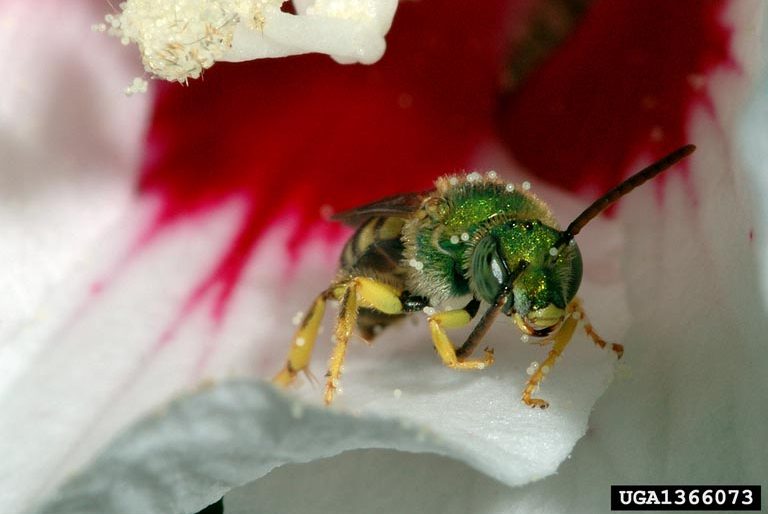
[416, 264]
[474, 177]
[526, 185]
[455, 240]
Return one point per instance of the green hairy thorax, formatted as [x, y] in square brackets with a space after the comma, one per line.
[442, 237]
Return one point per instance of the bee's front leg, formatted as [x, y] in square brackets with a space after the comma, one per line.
[561, 340]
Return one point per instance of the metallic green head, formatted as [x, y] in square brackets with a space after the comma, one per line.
[538, 296]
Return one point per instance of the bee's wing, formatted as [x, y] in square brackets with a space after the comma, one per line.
[397, 206]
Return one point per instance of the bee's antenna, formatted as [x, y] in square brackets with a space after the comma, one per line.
[502, 298]
[622, 189]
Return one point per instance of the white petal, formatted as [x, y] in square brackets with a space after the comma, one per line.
[68, 140]
[114, 364]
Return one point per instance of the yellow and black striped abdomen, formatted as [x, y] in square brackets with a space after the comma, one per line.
[376, 251]
[376, 248]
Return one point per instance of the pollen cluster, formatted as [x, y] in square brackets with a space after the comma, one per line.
[179, 39]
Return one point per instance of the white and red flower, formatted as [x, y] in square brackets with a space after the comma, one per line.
[151, 281]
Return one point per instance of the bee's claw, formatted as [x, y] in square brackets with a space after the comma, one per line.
[535, 402]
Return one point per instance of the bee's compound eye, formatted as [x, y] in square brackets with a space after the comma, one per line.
[498, 272]
[489, 272]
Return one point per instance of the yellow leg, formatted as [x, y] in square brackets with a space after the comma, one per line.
[561, 340]
[357, 292]
[454, 319]
[578, 313]
[303, 342]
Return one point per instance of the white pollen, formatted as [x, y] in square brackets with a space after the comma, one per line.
[553, 252]
[464, 236]
[412, 263]
[178, 40]
[526, 185]
[481, 365]
[297, 318]
[397, 393]
[576, 315]
[429, 311]
[532, 368]
[453, 181]
[419, 265]
[572, 242]
[300, 341]
[510, 187]
[340, 391]
[545, 369]
[492, 175]
[139, 85]
[474, 176]
[524, 338]
[455, 239]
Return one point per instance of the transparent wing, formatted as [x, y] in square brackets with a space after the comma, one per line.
[398, 206]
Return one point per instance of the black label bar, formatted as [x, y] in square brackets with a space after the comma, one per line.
[686, 497]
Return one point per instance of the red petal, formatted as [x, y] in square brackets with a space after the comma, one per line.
[621, 87]
[299, 133]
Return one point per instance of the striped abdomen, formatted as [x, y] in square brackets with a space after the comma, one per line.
[376, 251]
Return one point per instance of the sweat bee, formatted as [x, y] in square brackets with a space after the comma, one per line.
[471, 236]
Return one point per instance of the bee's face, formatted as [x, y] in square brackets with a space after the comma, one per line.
[541, 292]
[538, 301]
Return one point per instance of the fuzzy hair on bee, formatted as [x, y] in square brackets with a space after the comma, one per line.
[475, 236]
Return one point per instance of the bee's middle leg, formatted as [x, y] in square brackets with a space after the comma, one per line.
[355, 293]
[455, 319]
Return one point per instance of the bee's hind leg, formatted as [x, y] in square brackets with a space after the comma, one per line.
[303, 341]
[355, 293]
[578, 313]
